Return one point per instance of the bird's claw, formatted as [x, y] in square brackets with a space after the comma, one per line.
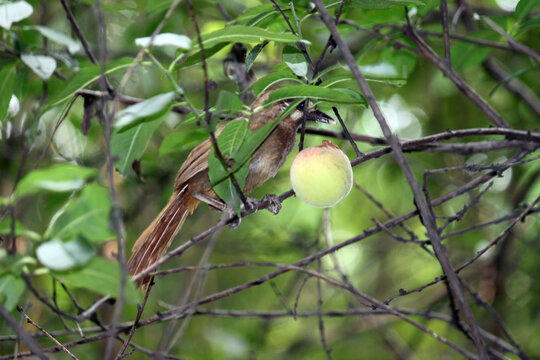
[274, 205]
[231, 214]
[235, 223]
[251, 204]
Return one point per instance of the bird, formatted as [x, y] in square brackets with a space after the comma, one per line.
[192, 183]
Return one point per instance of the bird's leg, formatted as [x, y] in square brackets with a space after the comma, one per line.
[274, 204]
[221, 206]
[269, 202]
[251, 204]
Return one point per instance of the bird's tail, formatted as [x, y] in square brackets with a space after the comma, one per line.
[154, 241]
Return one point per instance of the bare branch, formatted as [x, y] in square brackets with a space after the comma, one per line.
[47, 334]
[425, 212]
[22, 334]
[456, 79]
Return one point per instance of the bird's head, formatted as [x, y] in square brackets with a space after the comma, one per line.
[309, 109]
[262, 115]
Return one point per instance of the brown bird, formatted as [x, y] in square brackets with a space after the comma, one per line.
[193, 185]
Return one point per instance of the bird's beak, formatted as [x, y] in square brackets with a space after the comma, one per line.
[316, 115]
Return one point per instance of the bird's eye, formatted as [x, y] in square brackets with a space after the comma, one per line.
[301, 106]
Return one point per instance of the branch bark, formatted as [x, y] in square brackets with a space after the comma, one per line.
[425, 211]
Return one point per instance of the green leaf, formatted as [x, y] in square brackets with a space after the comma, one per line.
[229, 141]
[529, 25]
[254, 15]
[295, 60]
[60, 256]
[147, 109]
[7, 83]
[465, 55]
[20, 230]
[11, 12]
[250, 58]
[318, 93]
[228, 103]
[15, 263]
[182, 140]
[115, 6]
[524, 7]
[196, 58]
[156, 6]
[57, 178]
[58, 37]
[265, 18]
[381, 4]
[388, 65]
[269, 80]
[232, 136]
[42, 65]
[129, 145]
[86, 215]
[11, 290]
[192, 118]
[243, 34]
[83, 78]
[403, 63]
[101, 276]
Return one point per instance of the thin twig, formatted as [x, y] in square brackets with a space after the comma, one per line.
[463, 86]
[140, 309]
[471, 40]
[106, 117]
[363, 312]
[294, 267]
[224, 12]
[485, 224]
[425, 211]
[375, 154]
[347, 134]
[131, 70]
[29, 320]
[384, 210]
[125, 99]
[299, 44]
[513, 84]
[298, 293]
[501, 235]
[78, 31]
[511, 41]
[320, 320]
[207, 113]
[27, 338]
[56, 304]
[444, 12]
[495, 317]
[329, 42]
[199, 278]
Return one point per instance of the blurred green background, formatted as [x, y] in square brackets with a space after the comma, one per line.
[417, 100]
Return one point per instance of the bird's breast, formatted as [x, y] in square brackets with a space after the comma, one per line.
[269, 157]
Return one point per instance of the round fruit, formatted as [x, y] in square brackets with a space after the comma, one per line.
[321, 175]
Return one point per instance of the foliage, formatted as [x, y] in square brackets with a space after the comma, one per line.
[433, 254]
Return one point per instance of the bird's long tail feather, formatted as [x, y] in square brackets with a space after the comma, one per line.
[154, 241]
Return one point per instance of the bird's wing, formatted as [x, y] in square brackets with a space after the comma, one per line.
[197, 160]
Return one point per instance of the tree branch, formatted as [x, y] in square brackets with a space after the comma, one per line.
[425, 211]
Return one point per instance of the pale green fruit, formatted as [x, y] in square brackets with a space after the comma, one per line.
[321, 175]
